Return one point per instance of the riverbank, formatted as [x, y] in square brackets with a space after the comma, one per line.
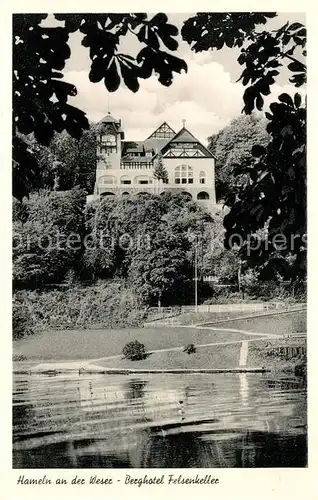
[247, 344]
[59, 345]
[217, 357]
[262, 355]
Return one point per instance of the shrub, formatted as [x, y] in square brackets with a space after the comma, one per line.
[19, 357]
[103, 305]
[190, 349]
[134, 350]
[22, 323]
[301, 368]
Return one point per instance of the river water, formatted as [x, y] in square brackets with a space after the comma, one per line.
[120, 421]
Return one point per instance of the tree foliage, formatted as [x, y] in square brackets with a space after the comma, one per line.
[262, 52]
[160, 171]
[40, 95]
[144, 240]
[232, 147]
[67, 162]
[274, 194]
[42, 252]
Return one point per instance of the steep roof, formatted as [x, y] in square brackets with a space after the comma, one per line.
[138, 149]
[164, 129]
[185, 136]
[156, 144]
[109, 119]
[116, 124]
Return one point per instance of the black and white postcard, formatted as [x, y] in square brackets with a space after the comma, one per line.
[159, 250]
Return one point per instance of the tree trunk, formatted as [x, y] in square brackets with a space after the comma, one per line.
[56, 182]
[159, 302]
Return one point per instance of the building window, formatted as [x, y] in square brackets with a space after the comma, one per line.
[109, 139]
[202, 177]
[203, 196]
[107, 151]
[125, 180]
[142, 179]
[107, 179]
[183, 174]
[106, 193]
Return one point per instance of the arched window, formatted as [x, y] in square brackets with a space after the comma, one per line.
[203, 196]
[143, 194]
[186, 195]
[125, 179]
[107, 193]
[107, 179]
[183, 174]
[142, 179]
[202, 177]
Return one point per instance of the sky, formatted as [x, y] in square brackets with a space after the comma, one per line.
[207, 96]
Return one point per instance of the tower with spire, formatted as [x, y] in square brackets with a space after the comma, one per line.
[108, 148]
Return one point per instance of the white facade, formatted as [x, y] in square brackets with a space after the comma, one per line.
[189, 165]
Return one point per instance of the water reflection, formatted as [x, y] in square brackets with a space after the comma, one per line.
[244, 389]
[243, 420]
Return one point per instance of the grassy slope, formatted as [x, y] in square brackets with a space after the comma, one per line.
[89, 344]
[62, 345]
[282, 323]
[211, 357]
[207, 357]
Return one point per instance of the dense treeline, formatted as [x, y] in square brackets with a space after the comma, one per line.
[78, 265]
[145, 240]
[104, 264]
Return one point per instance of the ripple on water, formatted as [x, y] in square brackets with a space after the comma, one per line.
[210, 420]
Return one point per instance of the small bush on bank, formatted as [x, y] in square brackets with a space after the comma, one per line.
[190, 349]
[301, 367]
[19, 357]
[134, 351]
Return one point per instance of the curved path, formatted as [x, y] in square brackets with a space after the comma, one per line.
[91, 365]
